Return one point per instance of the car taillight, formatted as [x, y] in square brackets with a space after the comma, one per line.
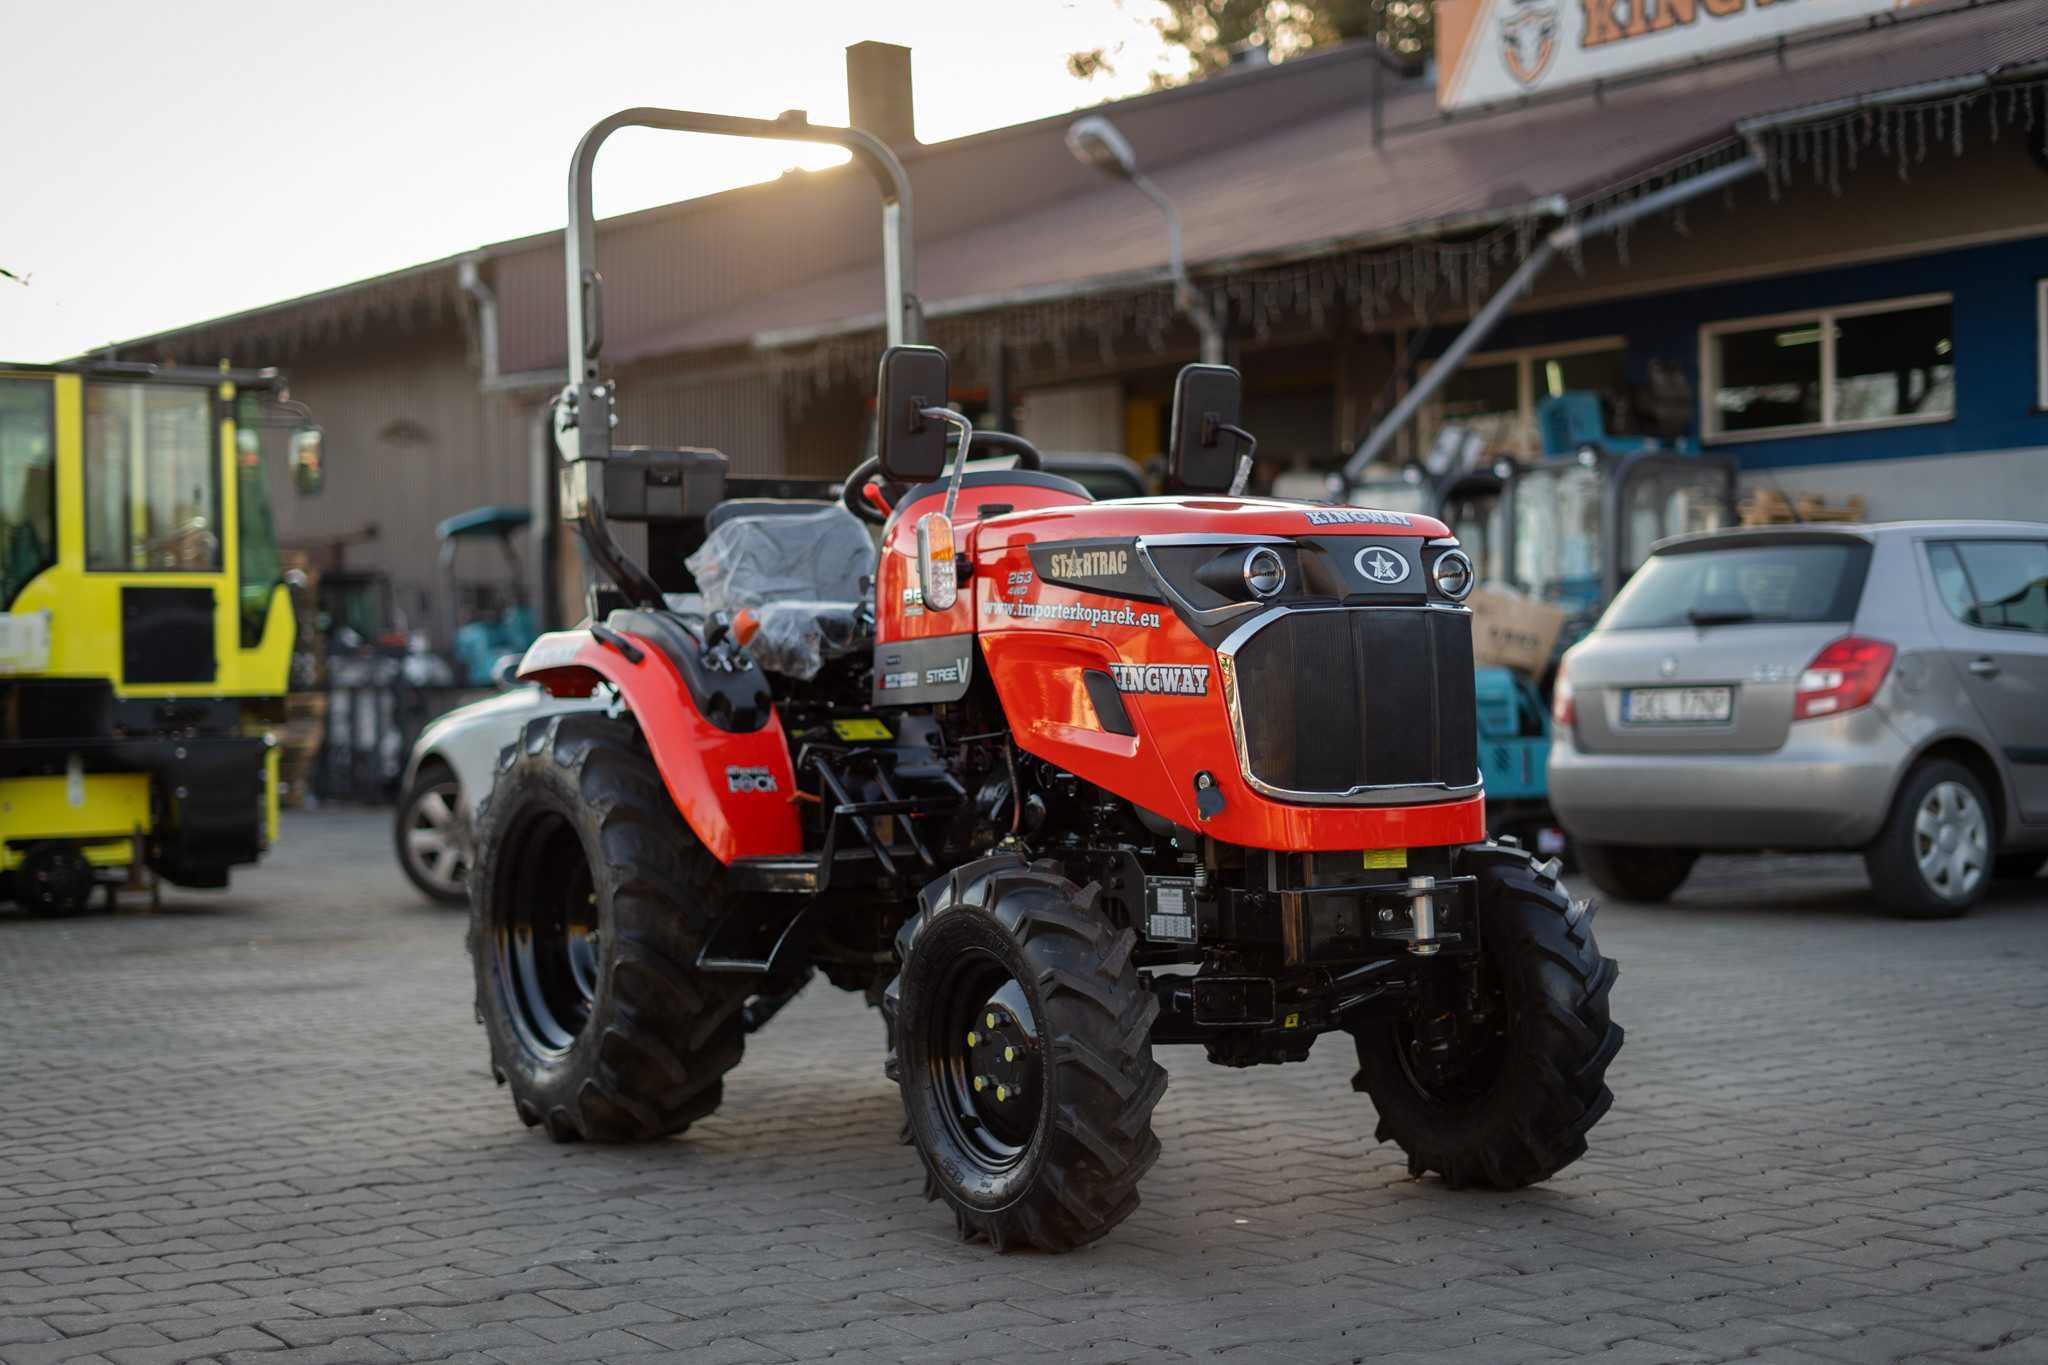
[1842, 677]
[1564, 712]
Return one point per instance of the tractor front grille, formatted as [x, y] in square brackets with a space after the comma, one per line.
[1360, 704]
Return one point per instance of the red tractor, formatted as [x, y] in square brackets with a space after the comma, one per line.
[1055, 782]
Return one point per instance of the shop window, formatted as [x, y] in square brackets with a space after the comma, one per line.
[152, 480]
[1496, 394]
[28, 505]
[1487, 399]
[1871, 365]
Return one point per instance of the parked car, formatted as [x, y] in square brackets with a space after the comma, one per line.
[1882, 689]
[448, 774]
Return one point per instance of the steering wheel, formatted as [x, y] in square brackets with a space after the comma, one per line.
[854, 497]
[853, 494]
[1003, 443]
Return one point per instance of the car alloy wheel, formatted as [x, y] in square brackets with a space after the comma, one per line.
[435, 842]
[1952, 840]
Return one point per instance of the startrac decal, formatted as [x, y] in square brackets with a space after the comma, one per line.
[739, 779]
[1355, 516]
[1089, 563]
[1110, 567]
[1166, 680]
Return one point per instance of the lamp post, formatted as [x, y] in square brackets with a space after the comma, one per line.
[1095, 141]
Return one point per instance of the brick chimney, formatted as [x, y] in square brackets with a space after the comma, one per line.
[878, 97]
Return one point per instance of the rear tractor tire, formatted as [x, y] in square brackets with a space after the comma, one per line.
[1648, 875]
[1505, 1096]
[1021, 1037]
[589, 902]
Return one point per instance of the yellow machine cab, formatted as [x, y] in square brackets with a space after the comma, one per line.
[145, 630]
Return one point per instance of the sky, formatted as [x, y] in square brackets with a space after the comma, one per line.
[169, 163]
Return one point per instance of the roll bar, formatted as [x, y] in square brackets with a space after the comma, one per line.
[590, 400]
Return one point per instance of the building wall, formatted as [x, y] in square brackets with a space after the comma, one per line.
[409, 441]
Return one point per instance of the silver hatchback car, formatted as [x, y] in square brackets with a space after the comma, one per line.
[1882, 689]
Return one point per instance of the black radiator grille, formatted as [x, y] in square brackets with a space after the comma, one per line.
[1365, 697]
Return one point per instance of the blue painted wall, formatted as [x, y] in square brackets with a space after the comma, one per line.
[1997, 376]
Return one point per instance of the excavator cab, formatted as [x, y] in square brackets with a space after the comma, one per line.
[145, 630]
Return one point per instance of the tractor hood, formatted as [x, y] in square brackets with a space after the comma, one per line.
[1222, 517]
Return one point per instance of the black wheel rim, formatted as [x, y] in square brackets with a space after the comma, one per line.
[986, 1061]
[547, 933]
[1452, 1061]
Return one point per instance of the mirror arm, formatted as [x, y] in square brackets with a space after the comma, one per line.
[1244, 461]
[966, 430]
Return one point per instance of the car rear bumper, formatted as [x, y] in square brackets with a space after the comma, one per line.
[1828, 787]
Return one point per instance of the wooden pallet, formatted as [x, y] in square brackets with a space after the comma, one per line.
[1769, 507]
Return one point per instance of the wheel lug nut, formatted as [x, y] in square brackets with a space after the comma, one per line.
[973, 1038]
[1009, 1054]
[980, 1082]
[1002, 1093]
[991, 1019]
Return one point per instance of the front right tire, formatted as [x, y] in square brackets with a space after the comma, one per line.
[1020, 1034]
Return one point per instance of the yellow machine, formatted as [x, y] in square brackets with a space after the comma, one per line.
[145, 631]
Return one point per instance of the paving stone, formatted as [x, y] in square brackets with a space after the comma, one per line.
[259, 1127]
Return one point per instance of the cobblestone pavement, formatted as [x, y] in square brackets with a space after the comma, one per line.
[257, 1127]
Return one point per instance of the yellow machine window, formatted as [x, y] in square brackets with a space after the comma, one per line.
[152, 479]
[28, 504]
[262, 568]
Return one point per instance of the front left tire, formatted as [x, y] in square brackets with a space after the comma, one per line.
[1500, 1092]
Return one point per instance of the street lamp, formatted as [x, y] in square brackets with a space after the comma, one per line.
[1095, 141]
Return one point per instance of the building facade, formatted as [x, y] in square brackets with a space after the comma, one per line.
[1865, 313]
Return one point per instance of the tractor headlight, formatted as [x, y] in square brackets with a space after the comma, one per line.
[1265, 573]
[1453, 575]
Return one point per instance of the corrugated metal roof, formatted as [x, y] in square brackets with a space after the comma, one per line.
[1325, 182]
[1264, 165]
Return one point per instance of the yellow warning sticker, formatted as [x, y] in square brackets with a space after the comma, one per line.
[863, 727]
[1386, 857]
[1291, 1021]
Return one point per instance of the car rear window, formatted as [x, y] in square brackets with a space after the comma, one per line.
[1773, 584]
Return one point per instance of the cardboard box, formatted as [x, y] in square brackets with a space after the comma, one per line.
[1512, 630]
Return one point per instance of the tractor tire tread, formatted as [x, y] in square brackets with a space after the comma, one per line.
[1096, 1015]
[1532, 1120]
[662, 1034]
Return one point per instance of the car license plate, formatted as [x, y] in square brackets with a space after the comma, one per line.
[1677, 705]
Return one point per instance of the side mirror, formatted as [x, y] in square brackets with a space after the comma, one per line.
[1201, 453]
[911, 447]
[309, 475]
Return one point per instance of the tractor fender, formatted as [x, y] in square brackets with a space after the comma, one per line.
[736, 791]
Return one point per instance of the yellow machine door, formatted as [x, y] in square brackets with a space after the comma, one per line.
[28, 513]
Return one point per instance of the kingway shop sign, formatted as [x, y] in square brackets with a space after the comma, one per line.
[1493, 50]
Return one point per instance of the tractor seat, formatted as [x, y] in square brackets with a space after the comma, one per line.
[734, 508]
[804, 569]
